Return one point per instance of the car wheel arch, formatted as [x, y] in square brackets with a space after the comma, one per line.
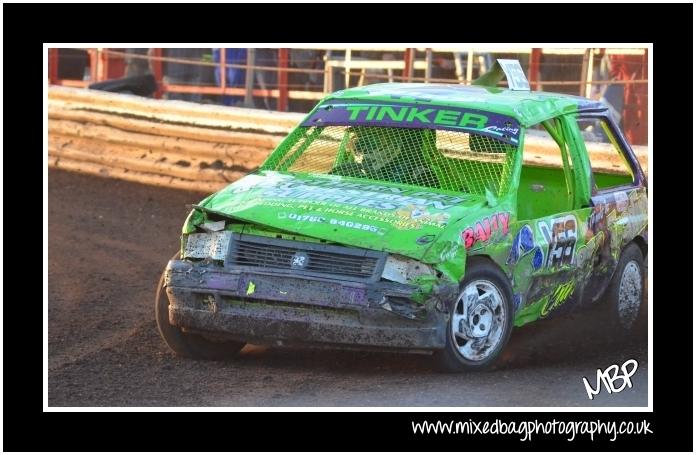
[642, 244]
[475, 259]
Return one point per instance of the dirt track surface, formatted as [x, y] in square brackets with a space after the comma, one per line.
[108, 241]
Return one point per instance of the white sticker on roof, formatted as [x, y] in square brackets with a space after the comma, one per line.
[514, 74]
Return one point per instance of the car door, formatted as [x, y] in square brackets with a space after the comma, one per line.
[549, 254]
[619, 198]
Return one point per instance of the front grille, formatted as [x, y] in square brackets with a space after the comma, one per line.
[305, 258]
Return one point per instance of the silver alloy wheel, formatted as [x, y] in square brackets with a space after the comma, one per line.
[630, 290]
[478, 320]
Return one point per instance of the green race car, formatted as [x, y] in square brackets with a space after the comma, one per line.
[412, 217]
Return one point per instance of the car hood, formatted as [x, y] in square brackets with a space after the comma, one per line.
[381, 216]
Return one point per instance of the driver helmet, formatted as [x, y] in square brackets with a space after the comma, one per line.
[378, 147]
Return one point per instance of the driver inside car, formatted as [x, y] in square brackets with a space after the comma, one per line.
[389, 154]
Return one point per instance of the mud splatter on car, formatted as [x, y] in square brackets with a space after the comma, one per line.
[404, 216]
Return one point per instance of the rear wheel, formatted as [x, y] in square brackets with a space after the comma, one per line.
[624, 295]
[480, 320]
[191, 345]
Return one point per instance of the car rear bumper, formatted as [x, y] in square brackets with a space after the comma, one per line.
[288, 309]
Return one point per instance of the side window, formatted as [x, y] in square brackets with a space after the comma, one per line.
[609, 165]
[544, 186]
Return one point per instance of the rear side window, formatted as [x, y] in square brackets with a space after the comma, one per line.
[608, 161]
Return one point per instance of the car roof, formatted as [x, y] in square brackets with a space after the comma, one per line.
[528, 107]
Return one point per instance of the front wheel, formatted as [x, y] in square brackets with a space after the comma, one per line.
[480, 320]
[191, 345]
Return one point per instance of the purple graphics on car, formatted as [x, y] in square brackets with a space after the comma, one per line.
[524, 244]
[517, 301]
[410, 115]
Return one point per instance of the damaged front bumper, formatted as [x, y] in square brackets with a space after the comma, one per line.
[290, 309]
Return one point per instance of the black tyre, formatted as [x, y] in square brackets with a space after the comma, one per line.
[480, 320]
[623, 298]
[185, 344]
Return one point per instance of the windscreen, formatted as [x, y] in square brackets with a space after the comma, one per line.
[460, 161]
